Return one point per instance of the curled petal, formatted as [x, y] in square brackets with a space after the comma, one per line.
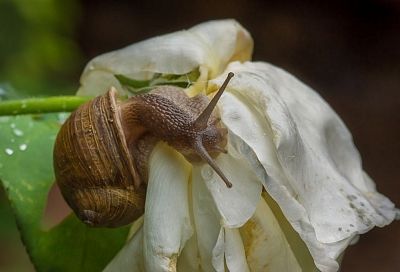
[313, 170]
[234, 252]
[237, 204]
[189, 258]
[218, 252]
[218, 246]
[207, 225]
[167, 224]
[211, 45]
[265, 243]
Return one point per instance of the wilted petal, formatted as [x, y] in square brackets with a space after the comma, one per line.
[207, 224]
[266, 246]
[314, 170]
[167, 224]
[211, 45]
[130, 257]
[225, 41]
[189, 258]
[297, 245]
[217, 244]
[218, 252]
[234, 252]
[237, 204]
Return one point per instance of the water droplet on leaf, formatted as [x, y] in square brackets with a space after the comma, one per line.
[9, 151]
[18, 132]
[23, 147]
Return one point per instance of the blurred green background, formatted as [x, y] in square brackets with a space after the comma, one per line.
[39, 54]
[347, 50]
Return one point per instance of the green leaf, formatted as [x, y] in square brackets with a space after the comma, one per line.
[143, 86]
[126, 81]
[26, 172]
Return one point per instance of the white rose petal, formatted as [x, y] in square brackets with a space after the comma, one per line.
[207, 223]
[130, 257]
[211, 45]
[234, 251]
[189, 258]
[167, 224]
[218, 252]
[237, 204]
[315, 170]
[265, 243]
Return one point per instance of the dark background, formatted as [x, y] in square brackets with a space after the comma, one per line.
[349, 51]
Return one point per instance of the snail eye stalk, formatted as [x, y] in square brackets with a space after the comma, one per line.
[201, 121]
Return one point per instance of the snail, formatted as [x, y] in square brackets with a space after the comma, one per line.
[101, 151]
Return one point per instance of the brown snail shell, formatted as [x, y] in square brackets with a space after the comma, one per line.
[94, 168]
[101, 151]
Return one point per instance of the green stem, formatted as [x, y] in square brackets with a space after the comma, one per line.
[42, 105]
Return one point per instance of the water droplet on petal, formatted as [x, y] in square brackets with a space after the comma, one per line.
[207, 172]
[23, 147]
[9, 151]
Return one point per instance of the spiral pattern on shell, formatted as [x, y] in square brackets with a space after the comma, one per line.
[94, 168]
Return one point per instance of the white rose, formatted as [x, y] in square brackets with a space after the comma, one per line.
[283, 138]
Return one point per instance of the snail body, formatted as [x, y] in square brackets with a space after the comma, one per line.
[101, 151]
